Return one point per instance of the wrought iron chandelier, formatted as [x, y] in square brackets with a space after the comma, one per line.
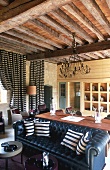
[73, 65]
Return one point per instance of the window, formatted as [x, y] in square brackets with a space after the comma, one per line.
[3, 94]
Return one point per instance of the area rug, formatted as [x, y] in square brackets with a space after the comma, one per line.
[13, 163]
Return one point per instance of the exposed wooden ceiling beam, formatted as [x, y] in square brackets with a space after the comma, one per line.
[19, 41]
[59, 27]
[15, 17]
[68, 22]
[15, 47]
[92, 56]
[97, 13]
[85, 57]
[99, 46]
[106, 54]
[49, 32]
[82, 18]
[30, 39]
[99, 54]
[4, 2]
[33, 34]
[108, 3]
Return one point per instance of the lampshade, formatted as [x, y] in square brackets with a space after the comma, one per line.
[31, 90]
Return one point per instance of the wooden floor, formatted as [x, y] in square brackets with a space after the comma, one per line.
[9, 136]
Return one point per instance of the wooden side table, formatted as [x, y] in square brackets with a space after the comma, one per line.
[5, 155]
[32, 163]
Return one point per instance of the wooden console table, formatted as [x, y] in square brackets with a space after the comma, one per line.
[87, 121]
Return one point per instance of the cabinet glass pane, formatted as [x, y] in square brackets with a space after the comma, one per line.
[94, 86]
[87, 106]
[103, 87]
[103, 97]
[94, 106]
[87, 86]
[87, 97]
[94, 96]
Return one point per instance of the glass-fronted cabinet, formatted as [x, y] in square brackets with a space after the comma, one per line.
[97, 95]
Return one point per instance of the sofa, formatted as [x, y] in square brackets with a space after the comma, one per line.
[93, 157]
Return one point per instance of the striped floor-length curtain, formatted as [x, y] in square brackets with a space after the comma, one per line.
[13, 77]
[37, 79]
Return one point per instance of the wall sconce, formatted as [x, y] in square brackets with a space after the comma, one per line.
[31, 90]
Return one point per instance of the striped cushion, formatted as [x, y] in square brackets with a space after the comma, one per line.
[29, 127]
[42, 128]
[81, 147]
[71, 139]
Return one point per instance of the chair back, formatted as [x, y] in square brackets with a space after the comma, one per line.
[68, 109]
[59, 112]
[78, 113]
[42, 107]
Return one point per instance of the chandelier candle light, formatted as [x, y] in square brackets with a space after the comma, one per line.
[73, 65]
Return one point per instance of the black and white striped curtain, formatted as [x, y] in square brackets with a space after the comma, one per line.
[13, 77]
[37, 79]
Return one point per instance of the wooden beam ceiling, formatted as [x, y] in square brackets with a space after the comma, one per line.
[21, 14]
[4, 2]
[43, 29]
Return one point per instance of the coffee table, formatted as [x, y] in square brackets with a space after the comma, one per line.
[31, 163]
[6, 155]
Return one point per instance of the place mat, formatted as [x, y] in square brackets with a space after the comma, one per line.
[73, 118]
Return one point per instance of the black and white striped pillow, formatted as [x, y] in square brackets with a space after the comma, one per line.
[42, 128]
[29, 127]
[71, 139]
[81, 147]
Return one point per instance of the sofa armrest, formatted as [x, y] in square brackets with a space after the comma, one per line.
[96, 148]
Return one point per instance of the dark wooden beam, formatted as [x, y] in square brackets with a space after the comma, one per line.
[19, 15]
[99, 46]
[97, 14]
[4, 2]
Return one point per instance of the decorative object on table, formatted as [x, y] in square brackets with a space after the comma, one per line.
[36, 163]
[45, 159]
[97, 117]
[74, 64]
[10, 148]
[52, 108]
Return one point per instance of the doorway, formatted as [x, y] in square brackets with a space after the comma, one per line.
[62, 95]
[48, 96]
[77, 95]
